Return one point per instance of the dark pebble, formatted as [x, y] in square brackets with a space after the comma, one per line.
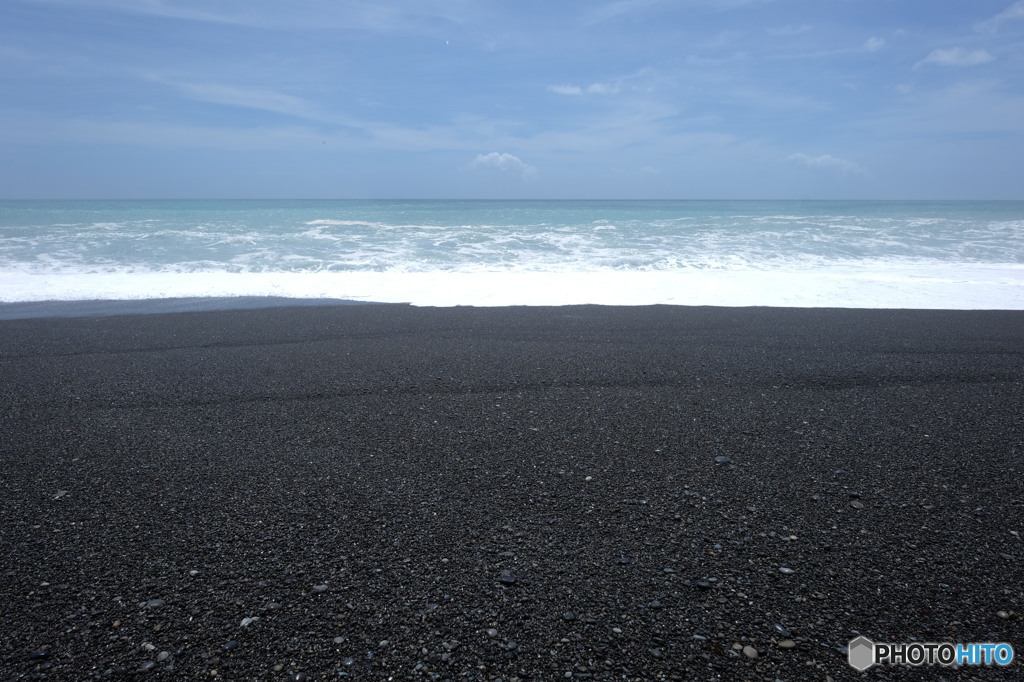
[507, 578]
[568, 615]
[39, 655]
[722, 459]
[703, 584]
[782, 630]
[625, 560]
[231, 645]
[147, 666]
[655, 604]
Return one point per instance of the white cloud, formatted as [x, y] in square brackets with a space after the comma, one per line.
[827, 162]
[592, 89]
[565, 89]
[505, 163]
[956, 56]
[1014, 11]
[603, 89]
[874, 44]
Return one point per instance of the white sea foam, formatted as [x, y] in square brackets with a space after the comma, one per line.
[388, 226]
[237, 239]
[500, 253]
[326, 221]
[859, 286]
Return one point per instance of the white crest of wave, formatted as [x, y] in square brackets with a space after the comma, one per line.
[387, 226]
[327, 221]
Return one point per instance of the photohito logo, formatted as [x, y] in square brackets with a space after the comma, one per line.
[864, 653]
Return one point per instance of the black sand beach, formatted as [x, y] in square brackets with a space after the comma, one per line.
[389, 492]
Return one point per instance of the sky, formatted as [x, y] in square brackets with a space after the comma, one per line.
[510, 99]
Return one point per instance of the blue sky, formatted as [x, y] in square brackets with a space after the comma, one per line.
[512, 99]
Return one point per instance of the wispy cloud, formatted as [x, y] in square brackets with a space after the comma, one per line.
[367, 136]
[252, 98]
[956, 56]
[703, 62]
[611, 10]
[964, 109]
[14, 53]
[874, 44]
[791, 30]
[644, 80]
[159, 8]
[260, 99]
[592, 89]
[370, 15]
[1014, 11]
[503, 163]
[618, 8]
[570, 90]
[603, 89]
[36, 130]
[827, 162]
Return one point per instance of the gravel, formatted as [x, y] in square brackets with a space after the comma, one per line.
[497, 493]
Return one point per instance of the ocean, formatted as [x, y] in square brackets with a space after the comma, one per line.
[864, 254]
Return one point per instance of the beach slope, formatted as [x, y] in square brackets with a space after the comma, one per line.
[502, 493]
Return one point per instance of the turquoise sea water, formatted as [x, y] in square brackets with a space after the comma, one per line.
[874, 254]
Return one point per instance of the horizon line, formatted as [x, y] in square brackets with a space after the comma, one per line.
[494, 199]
